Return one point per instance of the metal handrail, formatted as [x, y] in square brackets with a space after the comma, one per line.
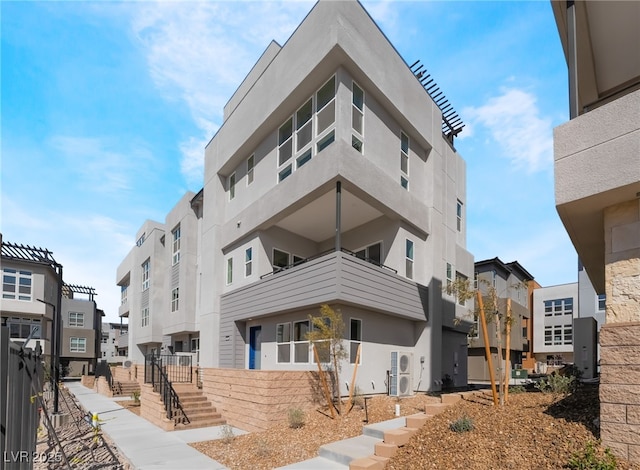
[319, 255]
[162, 385]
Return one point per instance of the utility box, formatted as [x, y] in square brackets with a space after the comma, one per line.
[519, 374]
[585, 346]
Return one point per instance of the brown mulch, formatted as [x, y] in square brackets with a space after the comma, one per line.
[533, 431]
[131, 405]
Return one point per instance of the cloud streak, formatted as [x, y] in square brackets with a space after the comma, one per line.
[516, 126]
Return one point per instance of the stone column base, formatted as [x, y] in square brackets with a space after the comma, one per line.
[620, 389]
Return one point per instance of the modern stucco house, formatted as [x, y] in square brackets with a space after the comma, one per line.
[332, 180]
[597, 186]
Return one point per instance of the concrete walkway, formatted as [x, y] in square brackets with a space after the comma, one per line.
[145, 445]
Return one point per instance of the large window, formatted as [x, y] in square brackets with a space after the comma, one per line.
[144, 316]
[16, 284]
[175, 299]
[123, 294]
[175, 245]
[357, 117]
[459, 215]
[76, 319]
[23, 327]
[355, 340]
[602, 302]
[248, 262]
[295, 135]
[409, 258]
[556, 335]
[280, 259]
[78, 345]
[404, 160]
[371, 253]
[557, 307]
[146, 271]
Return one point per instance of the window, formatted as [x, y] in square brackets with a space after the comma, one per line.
[459, 215]
[195, 345]
[232, 186]
[229, 271]
[76, 319]
[601, 301]
[460, 280]
[300, 341]
[251, 163]
[21, 328]
[144, 316]
[371, 253]
[146, 268]
[175, 245]
[475, 280]
[175, 299]
[105, 339]
[558, 307]
[296, 134]
[409, 259]
[248, 261]
[283, 341]
[78, 345]
[474, 332]
[404, 160]
[123, 294]
[16, 284]
[449, 275]
[357, 116]
[280, 259]
[140, 240]
[568, 334]
[355, 338]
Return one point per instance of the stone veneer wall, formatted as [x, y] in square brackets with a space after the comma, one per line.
[620, 336]
[254, 400]
[620, 389]
[135, 373]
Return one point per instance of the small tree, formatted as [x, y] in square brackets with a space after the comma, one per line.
[327, 334]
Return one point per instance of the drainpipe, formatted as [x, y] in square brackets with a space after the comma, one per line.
[338, 215]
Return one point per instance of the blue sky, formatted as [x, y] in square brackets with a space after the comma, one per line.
[107, 106]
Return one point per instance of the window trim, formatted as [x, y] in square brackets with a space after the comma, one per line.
[175, 299]
[251, 164]
[144, 316]
[80, 346]
[357, 138]
[248, 262]
[404, 160]
[175, 245]
[353, 341]
[229, 271]
[19, 288]
[459, 205]
[273, 258]
[146, 274]
[301, 341]
[282, 343]
[78, 321]
[409, 258]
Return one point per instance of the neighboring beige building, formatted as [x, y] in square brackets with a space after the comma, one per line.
[597, 187]
[112, 348]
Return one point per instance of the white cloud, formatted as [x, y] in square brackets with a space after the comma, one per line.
[199, 52]
[516, 126]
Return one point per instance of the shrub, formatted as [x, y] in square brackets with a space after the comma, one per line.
[296, 418]
[226, 434]
[556, 383]
[135, 396]
[590, 458]
[517, 389]
[463, 424]
[358, 398]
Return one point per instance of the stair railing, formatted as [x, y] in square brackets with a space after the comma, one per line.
[157, 377]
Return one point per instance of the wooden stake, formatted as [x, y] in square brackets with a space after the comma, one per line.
[353, 378]
[508, 352]
[325, 387]
[487, 348]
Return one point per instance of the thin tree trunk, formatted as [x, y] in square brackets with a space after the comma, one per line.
[508, 352]
[487, 347]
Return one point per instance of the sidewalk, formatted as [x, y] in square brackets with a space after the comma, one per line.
[145, 445]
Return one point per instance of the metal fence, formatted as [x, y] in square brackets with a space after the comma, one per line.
[21, 378]
[177, 368]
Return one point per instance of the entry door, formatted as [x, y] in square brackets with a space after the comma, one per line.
[255, 345]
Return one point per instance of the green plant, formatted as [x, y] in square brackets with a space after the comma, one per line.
[517, 389]
[226, 434]
[135, 396]
[464, 424]
[556, 383]
[592, 458]
[296, 418]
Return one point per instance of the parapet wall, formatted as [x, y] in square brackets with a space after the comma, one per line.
[254, 400]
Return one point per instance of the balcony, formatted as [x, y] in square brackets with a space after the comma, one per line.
[329, 278]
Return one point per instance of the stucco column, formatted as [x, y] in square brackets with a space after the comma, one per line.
[620, 336]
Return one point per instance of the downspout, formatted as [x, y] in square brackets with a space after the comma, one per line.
[572, 59]
[338, 215]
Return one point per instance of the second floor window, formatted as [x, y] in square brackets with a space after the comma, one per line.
[78, 345]
[146, 271]
[175, 245]
[16, 284]
[76, 319]
[409, 259]
[123, 294]
[175, 299]
[144, 316]
[248, 262]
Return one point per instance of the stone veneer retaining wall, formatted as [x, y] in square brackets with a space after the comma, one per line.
[253, 400]
[620, 389]
[135, 373]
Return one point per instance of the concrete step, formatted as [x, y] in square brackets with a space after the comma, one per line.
[347, 450]
[203, 405]
[377, 429]
[315, 464]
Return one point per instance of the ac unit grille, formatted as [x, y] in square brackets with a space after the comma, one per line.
[400, 374]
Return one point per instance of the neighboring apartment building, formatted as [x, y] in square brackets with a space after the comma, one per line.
[114, 335]
[506, 281]
[333, 179]
[81, 330]
[597, 187]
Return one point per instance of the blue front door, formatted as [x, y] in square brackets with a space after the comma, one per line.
[255, 344]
